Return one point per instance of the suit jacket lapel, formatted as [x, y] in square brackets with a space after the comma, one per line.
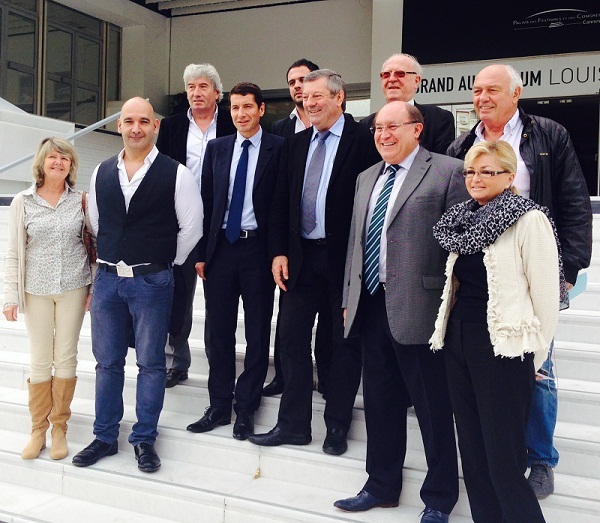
[343, 149]
[264, 155]
[364, 196]
[221, 176]
[413, 178]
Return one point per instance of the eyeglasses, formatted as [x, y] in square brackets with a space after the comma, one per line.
[390, 127]
[386, 75]
[482, 174]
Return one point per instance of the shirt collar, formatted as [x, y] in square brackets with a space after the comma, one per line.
[214, 120]
[254, 139]
[510, 126]
[147, 161]
[408, 161]
[337, 128]
[32, 189]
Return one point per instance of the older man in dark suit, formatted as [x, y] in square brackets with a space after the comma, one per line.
[400, 78]
[309, 223]
[238, 181]
[393, 284]
[184, 137]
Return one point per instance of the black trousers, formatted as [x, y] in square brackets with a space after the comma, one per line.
[323, 343]
[491, 397]
[392, 372]
[299, 307]
[239, 269]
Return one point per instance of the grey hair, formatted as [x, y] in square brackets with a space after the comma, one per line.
[416, 64]
[194, 71]
[335, 84]
[515, 78]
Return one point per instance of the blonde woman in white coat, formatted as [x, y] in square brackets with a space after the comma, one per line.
[47, 277]
[497, 318]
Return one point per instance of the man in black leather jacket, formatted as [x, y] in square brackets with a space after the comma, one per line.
[549, 173]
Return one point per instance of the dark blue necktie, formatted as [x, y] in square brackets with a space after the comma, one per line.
[234, 220]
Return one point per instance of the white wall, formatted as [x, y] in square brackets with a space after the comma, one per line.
[258, 45]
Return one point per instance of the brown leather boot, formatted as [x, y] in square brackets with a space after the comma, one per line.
[62, 395]
[40, 405]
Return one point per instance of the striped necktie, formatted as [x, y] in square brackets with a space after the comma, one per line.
[371, 269]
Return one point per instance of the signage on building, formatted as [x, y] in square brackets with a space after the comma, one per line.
[563, 75]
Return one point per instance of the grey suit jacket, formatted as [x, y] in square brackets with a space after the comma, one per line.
[415, 260]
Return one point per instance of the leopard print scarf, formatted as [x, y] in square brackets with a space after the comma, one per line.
[467, 228]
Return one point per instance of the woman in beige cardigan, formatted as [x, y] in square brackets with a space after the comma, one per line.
[498, 315]
[47, 277]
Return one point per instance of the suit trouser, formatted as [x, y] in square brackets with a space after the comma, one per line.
[322, 344]
[239, 269]
[391, 372]
[491, 397]
[182, 313]
[299, 308]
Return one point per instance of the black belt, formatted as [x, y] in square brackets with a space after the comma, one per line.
[318, 242]
[137, 270]
[244, 234]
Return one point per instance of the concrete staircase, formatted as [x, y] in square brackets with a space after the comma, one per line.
[214, 478]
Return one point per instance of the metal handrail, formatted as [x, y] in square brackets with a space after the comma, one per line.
[77, 134]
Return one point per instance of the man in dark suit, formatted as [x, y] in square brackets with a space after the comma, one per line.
[309, 223]
[184, 137]
[238, 182]
[392, 293]
[298, 119]
[296, 122]
[400, 78]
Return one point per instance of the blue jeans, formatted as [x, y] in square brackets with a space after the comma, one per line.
[141, 304]
[542, 418]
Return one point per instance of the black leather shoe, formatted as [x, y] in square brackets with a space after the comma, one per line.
[243, 426]
[434, 516]
[363, 501]
[174, 377]
[96, 450]
[213, 416]
[273, 388]
[147, 458]
[335, 442]
[276, 437]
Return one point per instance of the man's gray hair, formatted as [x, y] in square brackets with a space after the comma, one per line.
[416, 65]
[194, 71]
[515, 78]
[335, 84]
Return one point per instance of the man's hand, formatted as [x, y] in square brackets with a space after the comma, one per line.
[345, 313]
[279, 268]
[569, 286]
[200, 266]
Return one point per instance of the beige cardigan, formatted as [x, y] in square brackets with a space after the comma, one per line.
[523, 286]
[14, 274]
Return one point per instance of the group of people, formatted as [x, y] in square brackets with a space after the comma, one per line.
[402, 239]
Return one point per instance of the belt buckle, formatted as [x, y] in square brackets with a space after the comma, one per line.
[243, 235]
[124, 271]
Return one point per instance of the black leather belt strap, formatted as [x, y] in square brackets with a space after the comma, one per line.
[137, 271]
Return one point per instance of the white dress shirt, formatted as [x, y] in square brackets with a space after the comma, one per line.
[248, 217]
[188, 203]
[331, 147]
[196, 144]
[512, 134]
[299, 123]
[401, 173]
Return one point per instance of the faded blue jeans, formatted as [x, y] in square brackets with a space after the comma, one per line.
[542, 418]
[120, 304]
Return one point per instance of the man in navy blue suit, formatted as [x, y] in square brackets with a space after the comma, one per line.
[238, 182]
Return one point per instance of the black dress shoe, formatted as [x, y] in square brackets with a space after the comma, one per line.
[363, 501]
[213, 416]
[431, 515]
[175, 376]
[273, 388]
[96, 450]
[244, 425]
[276, 437]
[335, 442]
[147, 458]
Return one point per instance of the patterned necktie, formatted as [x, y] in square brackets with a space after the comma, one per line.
[311, 185]
[234, 220]
[371, 269]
